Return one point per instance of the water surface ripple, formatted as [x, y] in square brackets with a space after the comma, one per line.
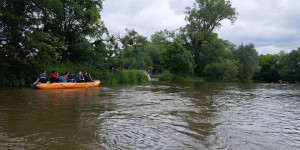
[153, 116]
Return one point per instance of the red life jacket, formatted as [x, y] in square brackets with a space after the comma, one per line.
[67, 77]
[54, 76]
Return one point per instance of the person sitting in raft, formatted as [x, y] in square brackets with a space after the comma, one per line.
[69, 77]
[79, 77]
[72, 79]
[54, 77]
[86, 77]
[43, 77]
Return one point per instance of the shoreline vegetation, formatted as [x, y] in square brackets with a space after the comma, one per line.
[44, 35]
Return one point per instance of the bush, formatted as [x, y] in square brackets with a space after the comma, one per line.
[177, 59]
[142, 77]
[165, 76]
[133, 76]
[224, 70]
[124, 77]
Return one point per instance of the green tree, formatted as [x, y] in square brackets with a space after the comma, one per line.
[129, 57]
[24, 47]
[203, 19]
[75, 20]
[48, 49]
[248, 61]
[132, 43]
[289, 64]
[177, 59]
[112, 51]
[152, 57]
[269, 68]
[131, 39]
[16, 20]
[223, 70]
[162, 37]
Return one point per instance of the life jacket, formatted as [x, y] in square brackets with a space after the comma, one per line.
[67, 77]
[79, 78]
[43, 78]
[54, 76]
[62, 79]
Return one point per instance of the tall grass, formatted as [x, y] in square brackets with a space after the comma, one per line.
[168, 76]
[165, 76]
[133, 76]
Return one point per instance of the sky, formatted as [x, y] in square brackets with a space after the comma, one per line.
[271, 25]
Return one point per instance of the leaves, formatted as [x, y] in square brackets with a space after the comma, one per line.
[177, 59]
[198, 35]
[223, 70]
[248, 61]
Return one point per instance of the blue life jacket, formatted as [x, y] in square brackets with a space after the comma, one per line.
[79, 78]
[62, 79]
[43, 78]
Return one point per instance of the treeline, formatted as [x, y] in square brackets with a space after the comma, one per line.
[37, 35]
[283, 66]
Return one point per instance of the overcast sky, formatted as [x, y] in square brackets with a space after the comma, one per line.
[271, 25]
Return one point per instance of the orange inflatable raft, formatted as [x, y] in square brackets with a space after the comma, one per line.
[68, 85]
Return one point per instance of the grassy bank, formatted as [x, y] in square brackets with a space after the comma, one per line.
[167, 76]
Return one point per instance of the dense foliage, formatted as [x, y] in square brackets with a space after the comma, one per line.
[69, 35]
[177, 59]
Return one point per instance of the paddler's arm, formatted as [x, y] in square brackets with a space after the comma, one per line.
[37, 80]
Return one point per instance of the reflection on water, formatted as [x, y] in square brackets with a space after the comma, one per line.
[154, 116]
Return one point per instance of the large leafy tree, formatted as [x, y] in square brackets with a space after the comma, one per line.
[162, 37]
[131, 39]
[35, 32]
[15, 21]
[269, 68]
[202, 20]
[248, 61]
[24, 46]
[177, 59]
[132, 43]
[223, 70]
[75, 20]
[289, 64]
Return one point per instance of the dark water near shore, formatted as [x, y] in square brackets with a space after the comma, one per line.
[152, 116]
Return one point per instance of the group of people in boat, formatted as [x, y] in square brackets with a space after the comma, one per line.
[67, 77]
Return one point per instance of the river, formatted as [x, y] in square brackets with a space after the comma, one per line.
[152, 116]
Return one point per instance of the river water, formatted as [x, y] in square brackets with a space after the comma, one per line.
[152, 116]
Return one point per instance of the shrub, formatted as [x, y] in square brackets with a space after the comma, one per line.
[224, 70]
[166, 76]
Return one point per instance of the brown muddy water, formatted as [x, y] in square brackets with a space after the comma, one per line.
[152, 116]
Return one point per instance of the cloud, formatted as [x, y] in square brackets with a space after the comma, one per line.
[271, 25]
[178, 6]
[145, 16]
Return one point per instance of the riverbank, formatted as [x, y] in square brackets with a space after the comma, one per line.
[107, 77]
[167, 76]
